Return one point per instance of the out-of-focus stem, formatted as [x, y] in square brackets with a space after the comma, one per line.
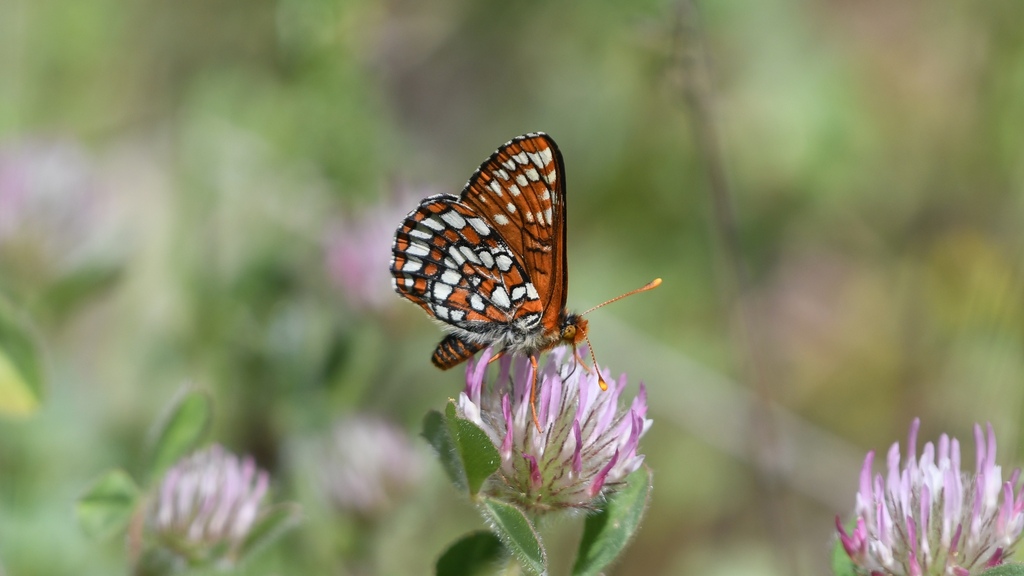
[695, 76]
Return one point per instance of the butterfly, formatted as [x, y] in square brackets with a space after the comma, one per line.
[490, 263]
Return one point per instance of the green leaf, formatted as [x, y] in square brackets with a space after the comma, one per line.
[106, 507]
[75, 287]
[474, 554]
[1005, 570]
[436, 432]
[606, 533]
[21, 373]
[269, 527]
[517, 533]
[479, 457]
[181, 431]
[841, 563]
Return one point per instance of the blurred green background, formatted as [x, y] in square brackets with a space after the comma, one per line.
[201, 166]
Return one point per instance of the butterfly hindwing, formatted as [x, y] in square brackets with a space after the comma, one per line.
[453, 264]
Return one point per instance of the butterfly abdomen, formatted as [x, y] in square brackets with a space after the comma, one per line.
[452, 351]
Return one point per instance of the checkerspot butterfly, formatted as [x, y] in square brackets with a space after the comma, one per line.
[490, 264]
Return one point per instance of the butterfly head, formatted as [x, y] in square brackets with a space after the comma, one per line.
[574, 329]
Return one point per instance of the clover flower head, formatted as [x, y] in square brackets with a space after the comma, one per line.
[368, 465]
[206, 505]
[587, 443]
[930, 518]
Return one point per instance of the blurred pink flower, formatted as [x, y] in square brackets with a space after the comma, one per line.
[207, 504]
[930, 518]
[359, 251]
[369, 464]
[48, 196]
[588, 443]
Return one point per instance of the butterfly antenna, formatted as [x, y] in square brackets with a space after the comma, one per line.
[593, 357]
[649, 286]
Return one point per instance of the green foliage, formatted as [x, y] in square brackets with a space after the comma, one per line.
[475, 554]
[517, 533]
[21, 375]
[608, 531]
[107, 506]
[182, 429]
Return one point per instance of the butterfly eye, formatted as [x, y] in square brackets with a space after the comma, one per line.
[569, 333]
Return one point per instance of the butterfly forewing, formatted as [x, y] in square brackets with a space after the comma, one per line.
[520, 192]
[490, 264]
[451, 263]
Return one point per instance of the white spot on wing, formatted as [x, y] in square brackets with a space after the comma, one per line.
[514, 190]
[540, 218]
[454, 219]
[420, 233]
[535, 158]
[504, 262]
[470, 255]
[457, 315]
[457, 257]
[418, 249]
[509, 165]
[441, 312]
[450, 277]
[476, 302]
[511, 208]
[518, 292]
[547, 214]
[521, 158]
[546, 155]
[529, 216]
[545, 195]
[501, 219]
[532, 174]
[501, 174]
[487, 259]
[531, 291]
[551, 177]
[408, 281]
[479, 225]
[495, 187]
[441, 291]
[432, 223]
[522, 180]
[500, 298]
[412, 265]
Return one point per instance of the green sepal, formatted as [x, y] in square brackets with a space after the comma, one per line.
[517, 533]
[466, 452]
[479, 457]
[607, 533]
[474, 554]
[435, 430]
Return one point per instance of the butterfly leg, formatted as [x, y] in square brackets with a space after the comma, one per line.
[533, 393]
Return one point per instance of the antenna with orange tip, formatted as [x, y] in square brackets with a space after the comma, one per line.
[649, 286]
[593, 357]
